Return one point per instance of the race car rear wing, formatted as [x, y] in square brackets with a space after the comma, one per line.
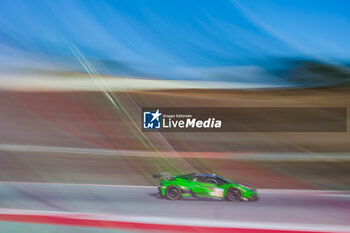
[163, 176]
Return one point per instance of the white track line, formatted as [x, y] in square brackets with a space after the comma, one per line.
[180, 221]
[75, 184]
[80, 82]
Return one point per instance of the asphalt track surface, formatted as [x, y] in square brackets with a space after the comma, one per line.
[274, 207]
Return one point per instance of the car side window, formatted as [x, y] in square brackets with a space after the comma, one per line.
[221, 181]
[212, 180]
[200, 179]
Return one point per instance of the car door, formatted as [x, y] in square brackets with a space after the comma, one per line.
[201, 187]
[217, 190]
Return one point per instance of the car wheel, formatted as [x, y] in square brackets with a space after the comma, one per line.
[233, 195]
[173, 193]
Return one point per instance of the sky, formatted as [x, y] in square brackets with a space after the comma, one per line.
[184, 39]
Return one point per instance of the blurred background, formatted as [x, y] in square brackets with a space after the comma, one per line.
[74, 76]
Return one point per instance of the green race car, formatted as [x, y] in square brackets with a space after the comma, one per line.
[213, 186]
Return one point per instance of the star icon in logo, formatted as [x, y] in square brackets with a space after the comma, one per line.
[156, 115]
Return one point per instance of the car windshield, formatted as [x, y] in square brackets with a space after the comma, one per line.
[221, 181]
[224, 180]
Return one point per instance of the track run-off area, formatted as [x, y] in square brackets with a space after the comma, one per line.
[139, 208]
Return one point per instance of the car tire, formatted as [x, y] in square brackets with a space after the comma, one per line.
[173, 193]
[233, 195]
